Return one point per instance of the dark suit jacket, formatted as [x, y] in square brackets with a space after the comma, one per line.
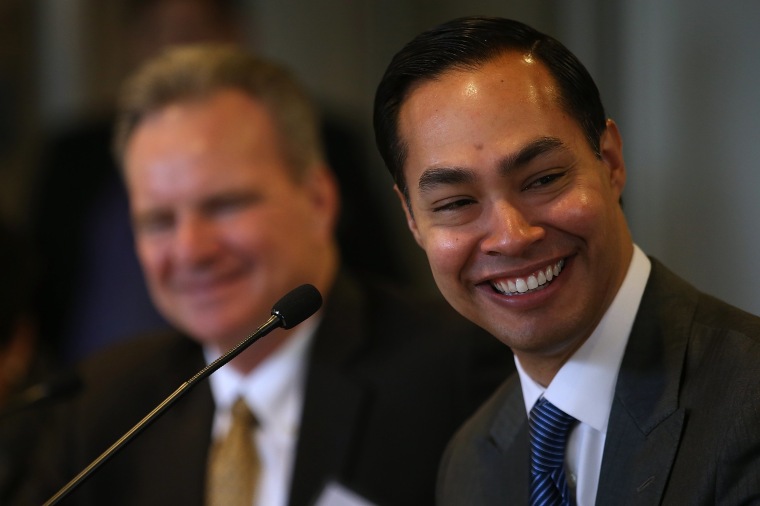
[389, 382]
[685, 421]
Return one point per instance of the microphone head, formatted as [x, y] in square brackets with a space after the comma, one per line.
[297, 305]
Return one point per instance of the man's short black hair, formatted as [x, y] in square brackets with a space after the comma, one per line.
[466, 44]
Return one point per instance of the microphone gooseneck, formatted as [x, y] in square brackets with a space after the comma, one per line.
[292, 309]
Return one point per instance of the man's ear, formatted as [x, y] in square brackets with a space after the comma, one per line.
[409, 216]
[611, 151]
[325, 198]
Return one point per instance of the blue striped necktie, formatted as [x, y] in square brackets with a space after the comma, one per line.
[549, 427]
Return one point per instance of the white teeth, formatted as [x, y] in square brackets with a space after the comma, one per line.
[532, 282]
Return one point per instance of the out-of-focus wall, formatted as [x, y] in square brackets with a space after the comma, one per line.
[681, 77]
[18, 103]
[338, 48]
[341, 48]
[695, 141]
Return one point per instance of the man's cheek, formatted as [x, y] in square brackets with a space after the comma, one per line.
[446, 258]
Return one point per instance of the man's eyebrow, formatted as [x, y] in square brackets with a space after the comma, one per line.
[437, 176]
[529, 152]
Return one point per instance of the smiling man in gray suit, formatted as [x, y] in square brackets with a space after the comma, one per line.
[632, 386]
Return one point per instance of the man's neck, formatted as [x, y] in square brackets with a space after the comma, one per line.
[543, 367]
[259, 351]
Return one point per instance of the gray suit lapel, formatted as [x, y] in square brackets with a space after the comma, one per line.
[645, 422]
[509, 435]
[487, 461]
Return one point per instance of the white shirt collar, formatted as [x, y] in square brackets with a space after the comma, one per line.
[585, 385]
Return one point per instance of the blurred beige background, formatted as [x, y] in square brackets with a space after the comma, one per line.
[681, 77]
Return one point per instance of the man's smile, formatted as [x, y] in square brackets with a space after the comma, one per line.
[535, 281]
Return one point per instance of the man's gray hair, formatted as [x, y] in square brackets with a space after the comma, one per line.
[193, 72]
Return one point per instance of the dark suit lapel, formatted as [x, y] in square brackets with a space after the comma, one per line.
[332, 400]
[509, 437]
[190, 420]
[646, 423]
[172, 450]
[180, 465]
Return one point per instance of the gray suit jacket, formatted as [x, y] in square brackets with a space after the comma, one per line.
[389, 381]
[685, 421]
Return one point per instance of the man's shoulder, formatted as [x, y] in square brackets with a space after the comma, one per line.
[387, 324]
[409, 310]
[483, 459]
[139, 353]
[386, 331]
[504, 408]
[675, 298]
[146, 366]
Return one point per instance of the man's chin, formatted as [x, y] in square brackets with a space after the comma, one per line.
[212, 336]
[223, 329]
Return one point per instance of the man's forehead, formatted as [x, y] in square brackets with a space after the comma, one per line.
[510, 71]
[510, 80]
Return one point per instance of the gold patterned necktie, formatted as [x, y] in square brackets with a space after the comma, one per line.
[234, 465]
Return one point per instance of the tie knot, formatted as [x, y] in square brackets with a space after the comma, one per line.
[242, 414]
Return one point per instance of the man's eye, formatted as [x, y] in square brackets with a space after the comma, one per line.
[543, 181]
[232, 204]
[154, 224]
[453, 205]
[228, 205]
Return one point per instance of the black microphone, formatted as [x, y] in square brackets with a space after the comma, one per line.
[297, 305]
[289, 311]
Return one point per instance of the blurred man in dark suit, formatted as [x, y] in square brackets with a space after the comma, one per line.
[93, 291]
[233, 205]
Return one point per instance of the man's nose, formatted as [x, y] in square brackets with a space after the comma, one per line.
[509, 231]
[195, 240]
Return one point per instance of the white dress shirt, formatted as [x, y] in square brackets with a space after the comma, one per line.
[585, 385]
[274, 391]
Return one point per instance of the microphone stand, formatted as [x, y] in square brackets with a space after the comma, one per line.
[274, 321]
